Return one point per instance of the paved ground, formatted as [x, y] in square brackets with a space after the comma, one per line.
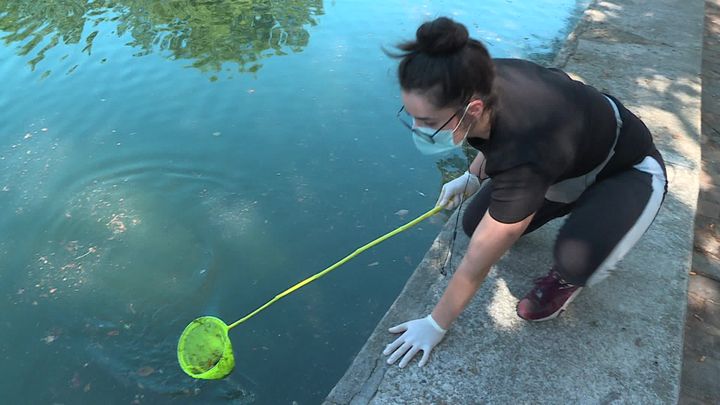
[701, 364]
[619, 342]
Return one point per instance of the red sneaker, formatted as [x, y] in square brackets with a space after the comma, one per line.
[548, 299]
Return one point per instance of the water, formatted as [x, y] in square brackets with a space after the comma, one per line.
[165, 160]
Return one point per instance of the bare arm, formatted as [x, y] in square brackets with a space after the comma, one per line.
[489, 242]
[477, 167]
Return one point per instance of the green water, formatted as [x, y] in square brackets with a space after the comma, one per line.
[161, 161]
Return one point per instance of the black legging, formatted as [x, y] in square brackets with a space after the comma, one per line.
[604, 222]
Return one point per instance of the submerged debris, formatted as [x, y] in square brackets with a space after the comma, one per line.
[49, 339]
[145, 371]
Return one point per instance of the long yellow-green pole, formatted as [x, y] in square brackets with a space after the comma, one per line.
[340, 263]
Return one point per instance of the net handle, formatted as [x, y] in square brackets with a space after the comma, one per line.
[339, 263]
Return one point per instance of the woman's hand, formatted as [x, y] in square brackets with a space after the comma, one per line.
[421, 334]
[452, 192]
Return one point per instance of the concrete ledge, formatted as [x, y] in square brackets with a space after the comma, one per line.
[620, 341]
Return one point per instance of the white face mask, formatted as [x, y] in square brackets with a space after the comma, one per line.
[441, 142]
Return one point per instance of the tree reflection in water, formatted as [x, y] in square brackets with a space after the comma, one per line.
[207, 33]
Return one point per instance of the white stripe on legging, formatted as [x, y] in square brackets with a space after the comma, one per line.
[652, 167]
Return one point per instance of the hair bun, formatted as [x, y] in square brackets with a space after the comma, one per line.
[441, 36]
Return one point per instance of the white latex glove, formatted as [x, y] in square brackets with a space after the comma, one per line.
[420, 334]
[451, 193]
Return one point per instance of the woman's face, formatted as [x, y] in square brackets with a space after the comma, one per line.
[425, 114]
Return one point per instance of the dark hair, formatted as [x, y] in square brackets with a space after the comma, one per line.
[447, 63]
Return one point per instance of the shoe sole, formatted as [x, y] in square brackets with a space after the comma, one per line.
[559, 311]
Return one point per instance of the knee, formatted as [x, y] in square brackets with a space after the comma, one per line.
[476, 209]
[470, 221]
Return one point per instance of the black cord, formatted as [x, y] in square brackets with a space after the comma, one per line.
[454, 236]
[457, 218]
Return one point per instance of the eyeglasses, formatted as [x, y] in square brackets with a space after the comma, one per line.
[411, 127]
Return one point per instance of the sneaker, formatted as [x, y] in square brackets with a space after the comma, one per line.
[548, 299]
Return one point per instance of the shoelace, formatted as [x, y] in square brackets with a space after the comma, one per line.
[551, 279]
